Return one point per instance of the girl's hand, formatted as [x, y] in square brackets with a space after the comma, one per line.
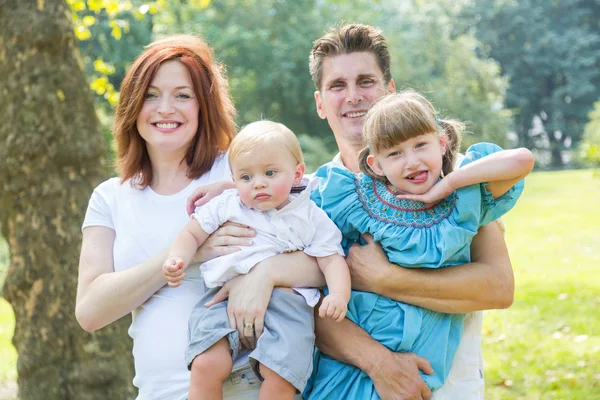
[334, 306]
[204, 194]
[249, 297]
[172, 270]
[223, 241]
[437, 192]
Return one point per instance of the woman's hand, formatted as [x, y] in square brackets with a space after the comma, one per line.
[249, 296]
[223, 241]
[204, 194]
[437, 192]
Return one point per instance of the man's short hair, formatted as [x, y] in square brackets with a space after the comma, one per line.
[346, 39]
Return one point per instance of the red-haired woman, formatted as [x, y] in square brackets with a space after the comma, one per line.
[172, 128]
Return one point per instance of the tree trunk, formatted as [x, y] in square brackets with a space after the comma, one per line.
[52, 154]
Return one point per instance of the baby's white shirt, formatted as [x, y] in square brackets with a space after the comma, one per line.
[300, 225]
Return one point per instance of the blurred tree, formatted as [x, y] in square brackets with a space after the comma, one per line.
[550, 50]
[51, 157]
[591, 137]
[446, 68]
[265, 47]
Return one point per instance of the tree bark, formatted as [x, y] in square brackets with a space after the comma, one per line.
[52, 154]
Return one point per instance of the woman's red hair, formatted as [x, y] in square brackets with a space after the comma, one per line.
[216, 125]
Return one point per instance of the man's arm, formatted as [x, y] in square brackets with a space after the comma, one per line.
[393, 374]
[485, 283]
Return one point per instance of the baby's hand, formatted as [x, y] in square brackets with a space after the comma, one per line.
[204, 194]
[173, 271]
[334, 306]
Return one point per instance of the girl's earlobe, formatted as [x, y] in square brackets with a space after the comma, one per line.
[374, 165]
[444, 144]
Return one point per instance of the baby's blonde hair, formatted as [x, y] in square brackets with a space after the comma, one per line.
[401, 116]
[261, 134]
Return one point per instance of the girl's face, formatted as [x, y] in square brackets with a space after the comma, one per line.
[413, 166]
[264, 177]
[168, 120]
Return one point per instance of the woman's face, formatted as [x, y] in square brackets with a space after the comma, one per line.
[168, 120]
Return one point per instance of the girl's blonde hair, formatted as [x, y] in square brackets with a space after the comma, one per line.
[401, 116]
[262, 134]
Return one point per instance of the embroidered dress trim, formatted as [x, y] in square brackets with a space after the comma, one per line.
[379, 200]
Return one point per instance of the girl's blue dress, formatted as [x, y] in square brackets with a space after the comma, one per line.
[413, 236]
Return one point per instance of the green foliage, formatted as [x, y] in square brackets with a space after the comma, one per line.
[550, 50]
[447, 69]
[111, 33]
[316, 151]
[8, 354]
[590, 148]
[265, 46]
[547, 344]
[4, 261]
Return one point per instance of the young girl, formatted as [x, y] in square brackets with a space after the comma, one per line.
[266, 162]
[424, 214]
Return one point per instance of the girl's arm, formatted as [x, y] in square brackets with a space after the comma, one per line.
[501, 170]
[103, 295]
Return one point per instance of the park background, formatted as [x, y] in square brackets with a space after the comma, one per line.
[521, 73]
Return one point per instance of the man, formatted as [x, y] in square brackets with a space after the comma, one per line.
[350, 66]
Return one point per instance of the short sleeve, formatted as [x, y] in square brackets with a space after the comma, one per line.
[491, 208]
[99, 210]
[212, 215]
[336, 194]
[327, 239]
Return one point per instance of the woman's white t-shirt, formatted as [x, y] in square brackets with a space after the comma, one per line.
[146, 223]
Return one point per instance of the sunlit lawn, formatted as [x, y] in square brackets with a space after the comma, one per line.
[547, 345]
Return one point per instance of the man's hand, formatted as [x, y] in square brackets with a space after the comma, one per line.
[367, 265]
[397, 377]
[204, 194]
[172, 270]
[334, 306]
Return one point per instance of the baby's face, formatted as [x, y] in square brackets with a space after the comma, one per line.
[265, 176]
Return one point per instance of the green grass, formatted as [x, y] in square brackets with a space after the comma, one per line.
[547, 345]
[8, 354]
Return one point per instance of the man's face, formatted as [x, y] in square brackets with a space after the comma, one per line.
[350, 85]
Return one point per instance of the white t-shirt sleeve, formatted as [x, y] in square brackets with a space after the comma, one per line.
[99, 207]
[327, 239]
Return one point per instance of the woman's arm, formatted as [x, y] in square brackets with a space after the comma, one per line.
[103, 295]
[249, 294]
[485, 283]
